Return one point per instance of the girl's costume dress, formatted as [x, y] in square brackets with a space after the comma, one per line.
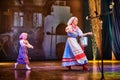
[23, 53]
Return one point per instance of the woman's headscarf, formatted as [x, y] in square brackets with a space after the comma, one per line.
[71, 20]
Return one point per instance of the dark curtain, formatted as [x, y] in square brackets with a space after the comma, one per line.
[116, 29]
[106, 29]
[87, 28]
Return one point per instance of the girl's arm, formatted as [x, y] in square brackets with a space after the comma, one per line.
[25, 43]
[28, 44]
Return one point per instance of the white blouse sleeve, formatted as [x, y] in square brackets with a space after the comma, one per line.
[22, 43]
[80, 32]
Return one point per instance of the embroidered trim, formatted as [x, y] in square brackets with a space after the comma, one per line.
[68, 59]
[80, 56]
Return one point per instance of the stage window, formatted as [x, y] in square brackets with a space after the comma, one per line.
[60, 3]
[18, 19]
[37, 19]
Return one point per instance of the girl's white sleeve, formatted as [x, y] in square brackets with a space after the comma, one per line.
[22, 43]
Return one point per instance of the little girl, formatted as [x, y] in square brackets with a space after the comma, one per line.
[23, 52]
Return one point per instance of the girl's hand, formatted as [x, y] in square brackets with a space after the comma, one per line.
[31, 47]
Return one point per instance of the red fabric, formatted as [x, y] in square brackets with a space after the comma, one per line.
[68, 59]
[80, 56]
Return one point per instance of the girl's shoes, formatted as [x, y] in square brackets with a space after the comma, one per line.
[15, 65]
[27, 67]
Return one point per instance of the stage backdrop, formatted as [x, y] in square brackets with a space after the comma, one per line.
[46, 33]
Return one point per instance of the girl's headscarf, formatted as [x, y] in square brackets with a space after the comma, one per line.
[22, 35]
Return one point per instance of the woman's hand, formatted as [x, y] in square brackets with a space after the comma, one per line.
[89, 33]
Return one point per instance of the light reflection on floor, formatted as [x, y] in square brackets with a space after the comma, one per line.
[52, 70]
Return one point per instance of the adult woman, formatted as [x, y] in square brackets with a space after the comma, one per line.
[73, 53]
[23, 52]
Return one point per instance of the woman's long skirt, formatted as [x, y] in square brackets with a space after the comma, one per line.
[73, 53]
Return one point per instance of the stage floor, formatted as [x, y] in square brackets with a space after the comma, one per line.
[52, 70]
